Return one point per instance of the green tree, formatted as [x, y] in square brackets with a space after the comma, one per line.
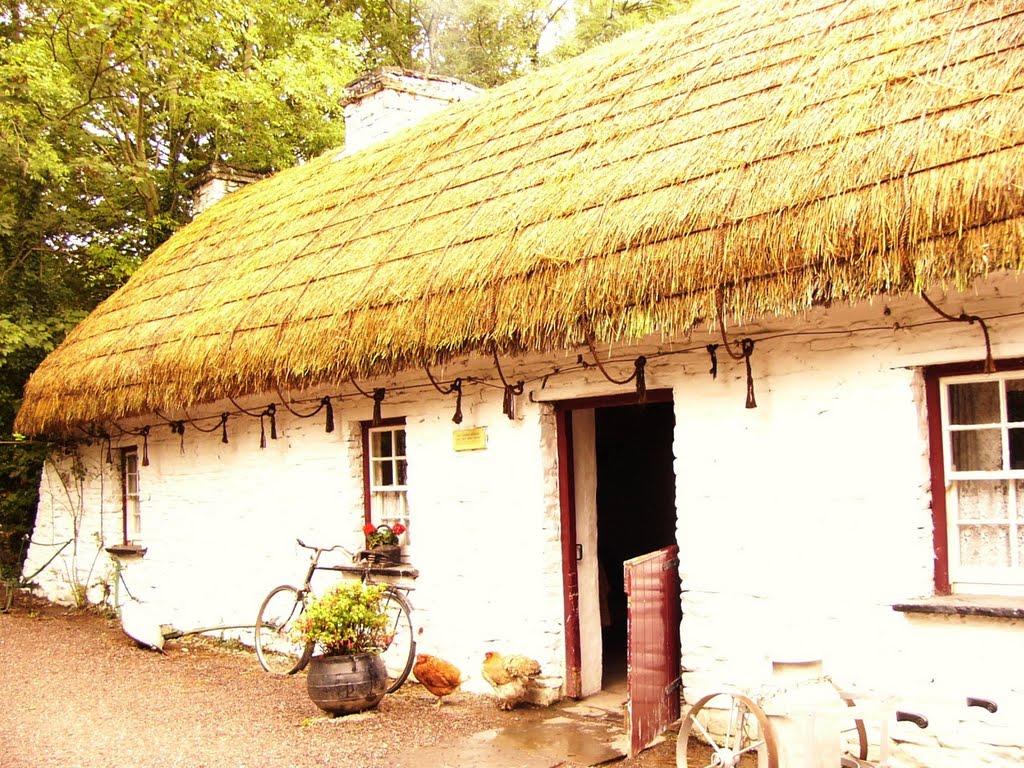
[598, 21]
[109, 110]
[487, 42]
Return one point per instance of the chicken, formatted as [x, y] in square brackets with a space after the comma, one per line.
[437, 675]
[510, 677]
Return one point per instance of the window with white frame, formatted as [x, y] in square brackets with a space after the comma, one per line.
[386, 468]
[983, 466]
[131, 512]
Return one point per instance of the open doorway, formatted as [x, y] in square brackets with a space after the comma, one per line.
[617, 486]
[636, 510]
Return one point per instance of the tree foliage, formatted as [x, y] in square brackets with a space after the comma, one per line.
[109, 110]
[598, 21]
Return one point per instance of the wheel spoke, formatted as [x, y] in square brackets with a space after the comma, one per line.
[745, 729]
[706, 735]
[750, 747]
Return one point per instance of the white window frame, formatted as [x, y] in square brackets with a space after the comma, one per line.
[377, 510]
[131, 507]
[968, 579]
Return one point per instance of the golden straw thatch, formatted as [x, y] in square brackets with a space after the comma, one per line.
[766, 154]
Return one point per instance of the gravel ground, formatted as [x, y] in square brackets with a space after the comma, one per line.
[78, 693]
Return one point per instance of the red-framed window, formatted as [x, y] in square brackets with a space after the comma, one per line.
[385, 473]
[976, 437]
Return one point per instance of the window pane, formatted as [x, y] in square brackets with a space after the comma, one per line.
[399, 442]
[1016, 437]
[1015, 400]
[389, 507]
[974, 403]
[1020, 499]
[385, 473]
[982, 500]
[380, 444]
[401, 466]
[977, 449]
[985, 545]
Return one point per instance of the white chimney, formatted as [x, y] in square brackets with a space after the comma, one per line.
[216, 182]
[386, 100]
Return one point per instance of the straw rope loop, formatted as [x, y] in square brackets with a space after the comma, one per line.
[713, 352]
[963, 317]
[178, 428]
[508, 401]
[456, 386]
[639, 366]
[721, 327]
[378, 397]
[271, 411]
[329, 423]
[144, 433]
[325, 402]
[748, 349]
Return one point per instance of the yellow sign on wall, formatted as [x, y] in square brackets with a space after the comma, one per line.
[470, 439]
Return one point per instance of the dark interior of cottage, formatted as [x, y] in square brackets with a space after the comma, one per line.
[636, 510]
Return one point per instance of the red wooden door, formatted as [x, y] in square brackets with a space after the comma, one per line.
[653, 650]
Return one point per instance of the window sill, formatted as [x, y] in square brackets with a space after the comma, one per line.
[995, 606]
[126, 550]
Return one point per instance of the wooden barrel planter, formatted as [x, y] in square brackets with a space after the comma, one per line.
[341, 685]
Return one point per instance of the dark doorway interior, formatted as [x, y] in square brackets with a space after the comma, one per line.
[636, 510]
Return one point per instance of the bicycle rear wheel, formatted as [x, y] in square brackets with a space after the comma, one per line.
[401, 652]
[276, 650]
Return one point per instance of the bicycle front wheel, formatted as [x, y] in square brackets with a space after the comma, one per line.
[276, 650]
[401, 651]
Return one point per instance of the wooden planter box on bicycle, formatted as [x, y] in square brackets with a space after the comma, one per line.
[280, 653]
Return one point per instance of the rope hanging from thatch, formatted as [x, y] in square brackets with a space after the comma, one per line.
[713, 352]
[746, 350]
[638, 372]
[963, 317]
[222, 425]
[177, 428]
[508, 404]
[378, 397]
[143, 432]
[325, 402]
[456, 386]
[271, 411]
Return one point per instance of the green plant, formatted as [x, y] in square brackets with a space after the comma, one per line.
[348, 619]
[382, 535]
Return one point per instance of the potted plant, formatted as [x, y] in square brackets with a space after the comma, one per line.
[382, 543]
[350, 627]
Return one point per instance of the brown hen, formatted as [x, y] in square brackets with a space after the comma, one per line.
[438, 676]
[510, 677]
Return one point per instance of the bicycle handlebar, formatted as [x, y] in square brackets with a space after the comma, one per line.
[304, 545]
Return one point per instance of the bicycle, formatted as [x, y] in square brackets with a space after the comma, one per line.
[279, 654]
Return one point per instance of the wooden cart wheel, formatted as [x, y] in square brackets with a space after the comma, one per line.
[862, 734]
[734, 732]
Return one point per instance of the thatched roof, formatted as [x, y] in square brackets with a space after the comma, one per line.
[774, 154]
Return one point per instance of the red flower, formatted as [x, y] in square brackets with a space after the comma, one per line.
[398, 528]
[369, 528]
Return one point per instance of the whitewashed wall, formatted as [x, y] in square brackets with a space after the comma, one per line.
[800, 522]
[220, 523]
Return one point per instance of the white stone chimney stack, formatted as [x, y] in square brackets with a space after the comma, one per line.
[217, 182]
[386, 100]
